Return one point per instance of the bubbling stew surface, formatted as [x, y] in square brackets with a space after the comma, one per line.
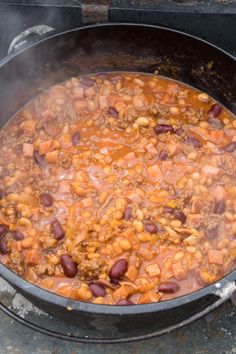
[119, 188]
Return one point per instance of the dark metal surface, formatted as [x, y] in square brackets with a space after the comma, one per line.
[213, 20]
[215, 333]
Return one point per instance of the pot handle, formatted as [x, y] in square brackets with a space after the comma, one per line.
[28, 36]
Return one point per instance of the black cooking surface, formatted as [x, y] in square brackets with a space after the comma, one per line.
[213, 20]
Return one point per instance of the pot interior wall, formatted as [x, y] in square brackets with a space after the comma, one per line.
[114, 48]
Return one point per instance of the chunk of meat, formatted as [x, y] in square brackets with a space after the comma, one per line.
[28, 150]
[122, 292]
[210, 171]
[86, 202]
[52, 156]
[153, 270]
[78, 92]
[179, 271]
[215, 257]
[154, 173]
[134, 197]
[90, 92]
[103, 101]
[131, 273]
[148, 297]
[32, 257]
[151, 149]
[45, 147]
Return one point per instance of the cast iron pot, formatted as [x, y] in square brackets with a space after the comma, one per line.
[115, 47]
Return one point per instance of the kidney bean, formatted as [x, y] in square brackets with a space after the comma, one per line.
[179, 131]
[124, 302]
[216, 123]
[163, 155]
[46, 199]
[115, 281]
[57, 230]
[97, 290]
[178, 214]
[212, 233]
[215, 110]
[219, 207]
[3, 246]
[163, 128]
[192, 141]
[18, 235]
[3, 229]
[87, 82]
[151, 228]
[168, 287]
[168, 209]
[2, 193]
[128, 213]
[69, 267]
[118, 269]
[39, 159]
[230, 147]
[76, 139]
[160, 229]
[112, 112]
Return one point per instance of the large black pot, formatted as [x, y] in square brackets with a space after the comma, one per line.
[112, 48]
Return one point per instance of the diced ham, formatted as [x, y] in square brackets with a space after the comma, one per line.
[78, 92]
[120, 106]
[215, 257]
[151, 149]
[28, 126]
[172, 146]
[112, 100]
[179, 271]
[86, 203]
[122, 293]
[154, 173]
[210, 171]
[194, 219]
[80, 105]
[128, 160]
[65, 290]
[131, 273]
[28, 150]
[197, 204]
[64, 188]
[134, 197]
[52, 156]
[153, 270]
[45, 147]
[32, 257]
[148, 297]
[103, 101]
[89, 92]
